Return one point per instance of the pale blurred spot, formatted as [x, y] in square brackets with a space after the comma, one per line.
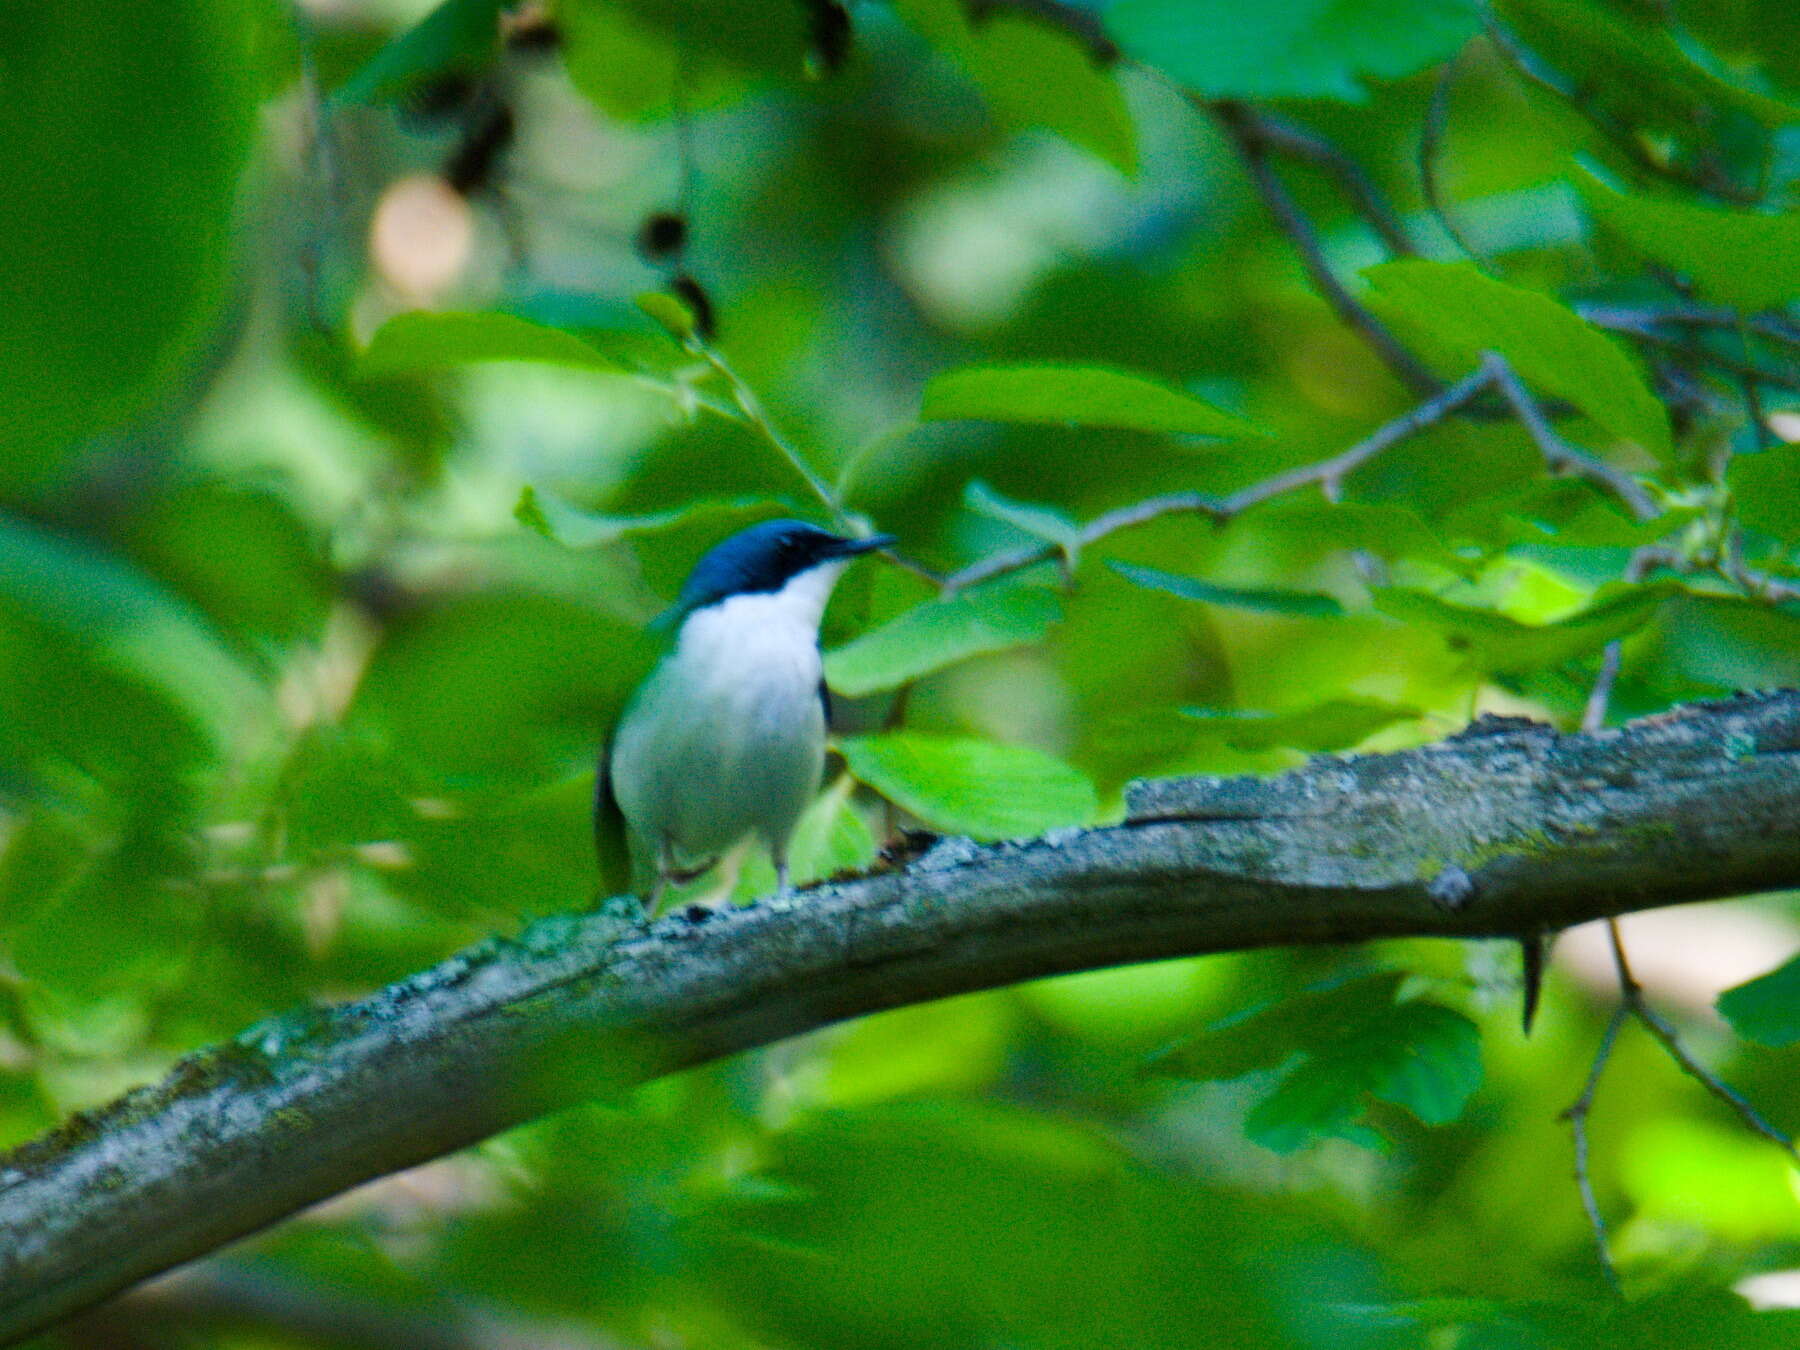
[1785, 425]
[971, 250]
[322, 909]
[1772, 1289]
[1686, 956]
[1333, 370]
[421, 237]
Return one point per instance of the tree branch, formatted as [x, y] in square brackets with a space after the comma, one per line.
[1508, 828]
[1245, 130]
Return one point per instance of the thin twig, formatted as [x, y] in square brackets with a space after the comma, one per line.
[1577, 1116]
[1325, 473]
[1632, 995]
[1241, 126]
[1431, 142]
[1531, 67]
[1772, 326]
[1359, 189]
[1557, 452]
[1743, 367]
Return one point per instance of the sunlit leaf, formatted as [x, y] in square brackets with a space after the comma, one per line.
[1463, 313]
[977, 788]
[422, 342]
[940, 633]
[1065, 395]
[1299, 49]
[1766, 1009]
[1302, 604]
[1503, 645]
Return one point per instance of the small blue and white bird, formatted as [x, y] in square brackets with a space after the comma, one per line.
[726, 738]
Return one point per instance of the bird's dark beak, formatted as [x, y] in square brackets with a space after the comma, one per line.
[850, 548]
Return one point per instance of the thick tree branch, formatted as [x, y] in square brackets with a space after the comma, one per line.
[1509, 828]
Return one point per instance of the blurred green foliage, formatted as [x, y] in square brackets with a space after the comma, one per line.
[345, 465]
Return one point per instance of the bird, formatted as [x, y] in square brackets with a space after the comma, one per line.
[725, 738]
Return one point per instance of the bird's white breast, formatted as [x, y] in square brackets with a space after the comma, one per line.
[728, 735]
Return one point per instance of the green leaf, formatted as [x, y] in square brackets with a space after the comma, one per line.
[1083, 396]
[1325, 727]
[1296, 49]
[1459, 312]
[555, 518]
[631, 70]
[420, 342]
[1048, 523]
[1502, 645]
[1030, 74]
[1741, 258]
[457, 36]
[1639, 68]
[1765, 491]
[1419, 1056]
[939, 633]
[971, 787]
[1767, 1009]
[1302, 604]
[1571, 514]
[129, 624]
[669, 311]
[123, 133]
[1381, 528]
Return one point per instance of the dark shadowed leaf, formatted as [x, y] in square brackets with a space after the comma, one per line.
[1335, 725]
[1766, 1009]
[1300, 49]
[1080, 396]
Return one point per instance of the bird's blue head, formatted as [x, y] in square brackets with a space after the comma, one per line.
[764, 558]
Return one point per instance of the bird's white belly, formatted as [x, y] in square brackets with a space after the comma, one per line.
[727, 737]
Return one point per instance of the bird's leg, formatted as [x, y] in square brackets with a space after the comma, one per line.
[784, 885]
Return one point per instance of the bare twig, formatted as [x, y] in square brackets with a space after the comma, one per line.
[1558, 453]
[1431, 143]
[1325, 473]
[1359, 189]
[1630, 317]
[1632, 999]
[1242, 127]
[752, 411]
[1531, 66]
[1577, 1116]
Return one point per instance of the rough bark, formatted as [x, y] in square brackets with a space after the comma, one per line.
[1506, 829]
